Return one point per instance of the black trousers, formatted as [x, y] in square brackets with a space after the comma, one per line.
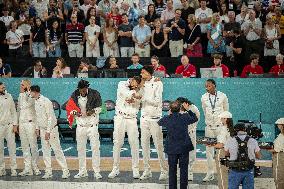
[173, 160]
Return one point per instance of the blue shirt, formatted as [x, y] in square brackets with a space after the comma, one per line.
[133, 16]
[141, 33]
[178, 140]
[135, 66]
[5, 69]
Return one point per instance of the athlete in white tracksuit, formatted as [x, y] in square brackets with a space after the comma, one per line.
[46, 127]
[8, 125]
[151, 112]
[213, 103]
[27, 127]
[125, 120]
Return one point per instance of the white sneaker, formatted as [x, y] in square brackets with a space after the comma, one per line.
[136, 174]
[208, 177]
[81, 175]
[98, 176]
[14, 173]
[146, 174]
[66, 174]
[2, 172]
[36, 171]
[190, 176]
[163, 176]
[47, 175]
[26, 172]
[113, 173]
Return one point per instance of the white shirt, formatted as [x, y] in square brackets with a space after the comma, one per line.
[86, 121]
[7, 110]
[195, 110]
[45, 116]
[26, 108]
[36, 74]
[14, 37]
[152, 99]
[201, 14]
[40, 7]
[6, 20]
[92, 31]
[122, 107]
[223, 135]
[252, 35]
[279, 143]
[220, 101]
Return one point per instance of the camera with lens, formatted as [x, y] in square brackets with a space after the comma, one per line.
[252, 130]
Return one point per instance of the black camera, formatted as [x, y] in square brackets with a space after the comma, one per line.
[252, 130]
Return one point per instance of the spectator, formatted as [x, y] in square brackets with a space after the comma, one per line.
[104, 7]
[176, 29]
[159, 40]
[36, 71]
[157, 66]
[168, 13]
[253, 67]
[110, 39]
[223, 13]
[92, 12]
[6, 18]
[135, 62]
[203, 15]
[252, 29]
[186, 69]
[186, 9]
[194, 4]
[259, 11]
[92, 33]
[192, 38]
[74, 37]
[141, 36]
[5, 69]
[131, 12]
[53, 38]
[129, 2]
[125, 37]
[114, 14]
[86, 6]
[3, 45]
[160, 6]
[217, 60]
[40, 7]
[67, 6]
[279, 67]
[53, 13]
[60, 69]
[214, 34]
[142, 6]
[279, 20]
[15, 39]
[243, 16]
[85, 66]
[151, 15]
[37, 39]
[237, 46]
[76, 11]
[112, 63]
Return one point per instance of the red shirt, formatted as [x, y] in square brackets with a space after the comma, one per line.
[250, 70]
[161, 68]
[186, 71]
[225, 69]
[116, 19]
[277, 69]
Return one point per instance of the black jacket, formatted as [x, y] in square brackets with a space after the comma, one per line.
[30, 73]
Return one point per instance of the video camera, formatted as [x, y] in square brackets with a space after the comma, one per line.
[252, 130]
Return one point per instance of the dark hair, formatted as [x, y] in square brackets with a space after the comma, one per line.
[52, 32]
[175, 106]
[240, 127]
[135, 54]
[154, 12]
[230, 125]
[85, 60]
[108, 22]
[184, 100]
[137, 79]
[83, 84]
[236, 31]
[89, 12]
[155, 57]
[211, 81]
[141, 16]
[124, 14]
[37, 61]
[1, 83]
[149, 69]
[35, 88]
[221, 11]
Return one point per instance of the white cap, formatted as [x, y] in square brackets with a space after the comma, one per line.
[225, 114]
[280, 121]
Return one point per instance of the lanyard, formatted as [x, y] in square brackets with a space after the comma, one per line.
[213, 105]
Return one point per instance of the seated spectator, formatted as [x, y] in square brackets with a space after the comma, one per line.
[151, 16]
[36, 71]
[110, 47]
[157, 66]
[125, 37]
[192, 38]
[53, 38]
[37, 39]
[76, 11]
[114, 14]
[168, 13]
[159, 40]
[5, 69]
[131, 12]
[15, 39]
[6, 18]
[186, 10]
[92, 12]
[159, 6]
[186, 69]
[279, 67]
[253, 67]
[217, 59]
[112, 63]
[92, 33]
[60, 69]
[85, 66]
[135, 62]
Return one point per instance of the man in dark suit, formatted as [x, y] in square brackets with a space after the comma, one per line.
[36, 71]
[178, 142]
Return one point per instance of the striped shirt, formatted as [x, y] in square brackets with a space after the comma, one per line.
[75, 32]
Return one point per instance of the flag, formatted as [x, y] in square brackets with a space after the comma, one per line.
[70, 107]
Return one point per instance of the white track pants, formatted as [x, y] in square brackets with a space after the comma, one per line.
[211, 132]
[192, 154]
[122, 125]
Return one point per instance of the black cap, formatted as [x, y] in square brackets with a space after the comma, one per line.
[83, 84]
[149, 69]
[240, 127]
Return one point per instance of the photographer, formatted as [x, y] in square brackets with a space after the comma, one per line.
[242, 152]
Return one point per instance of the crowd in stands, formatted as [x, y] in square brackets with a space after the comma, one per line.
[243, 31]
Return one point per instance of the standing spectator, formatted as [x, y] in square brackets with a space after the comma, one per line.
[279, 67]
[76, 11]
[110, 39]
[40, 7]
[53, 38]
[3, 45]
[253, 67]
[203, 15]
[194, 4]
[112, 63]
[60, 69]
[142, 5]
[279, 19]
[214, 34]
[159, 40]
[104, 8]
[141, 36]
[36, 71]
[224, 13]
[176, 29]
[160, 6]
[217, 60]
[53, 13]
[192, 38]
[125, 37]
[168, 13]
[92, 33]
[37, 39]
[114, 14]
[92, 12]
[6, 18]
[237, 46]
[243, 16]
[86, 6]
[186, 69]
[157, 66]
[15, 39]
[186, 9]
[74, 37]
[5, 69]
[260, 13]
[151, 16]
[135, 62]
[131, 12]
